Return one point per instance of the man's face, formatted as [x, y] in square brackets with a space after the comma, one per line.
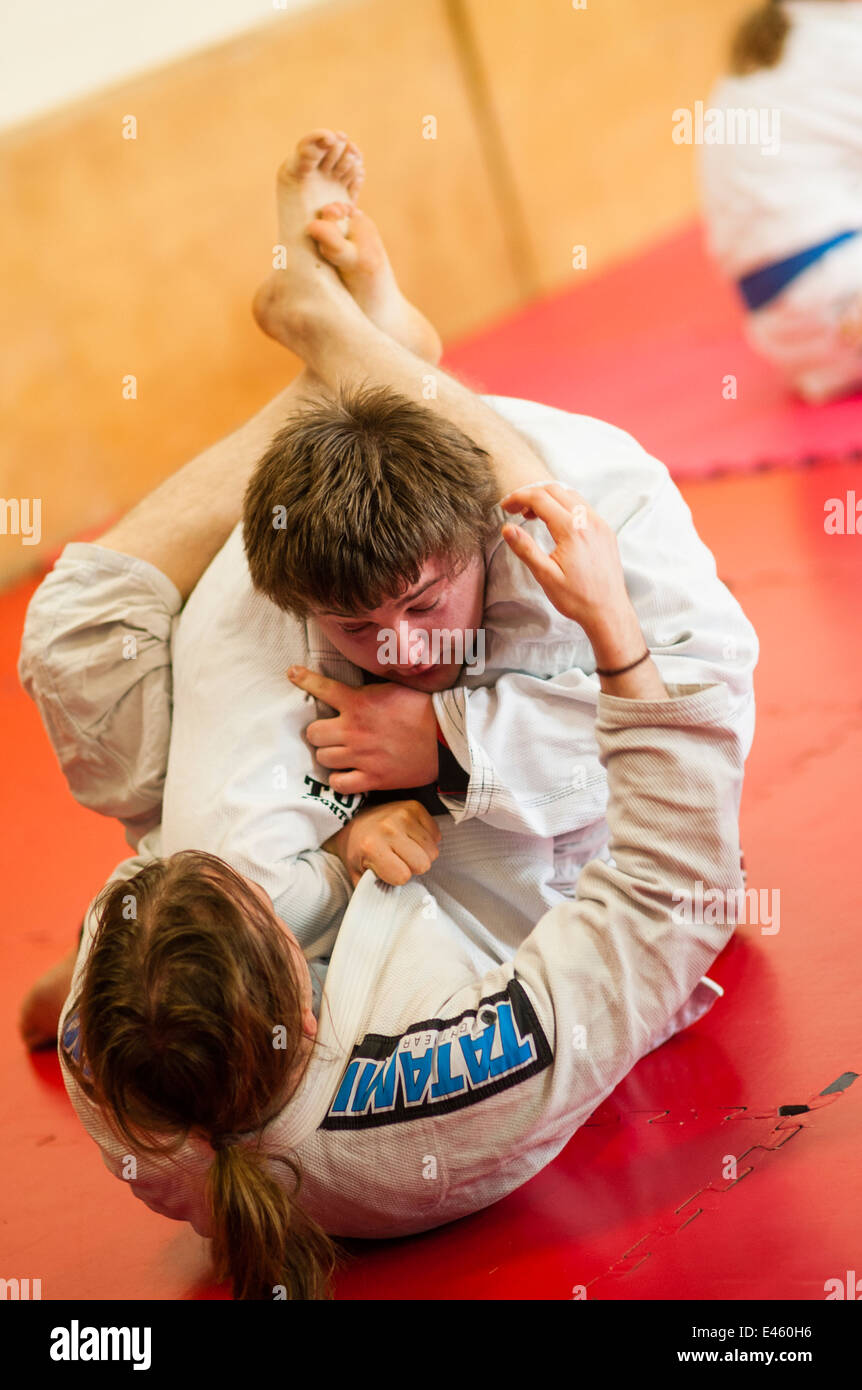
[422, 638]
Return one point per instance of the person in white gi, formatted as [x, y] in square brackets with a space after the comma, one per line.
[469, 1022]
[781, 180]
[440, 1081]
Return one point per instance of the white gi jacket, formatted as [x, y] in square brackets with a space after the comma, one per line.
[442, 1082]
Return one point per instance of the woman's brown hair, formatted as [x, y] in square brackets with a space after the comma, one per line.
[188, 984]
[759, 40]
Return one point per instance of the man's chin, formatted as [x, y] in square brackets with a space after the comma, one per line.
[437, 678]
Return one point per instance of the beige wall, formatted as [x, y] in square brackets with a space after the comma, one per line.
[139, 257]
[583, 100]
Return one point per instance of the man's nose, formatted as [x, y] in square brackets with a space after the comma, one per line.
[417, 647]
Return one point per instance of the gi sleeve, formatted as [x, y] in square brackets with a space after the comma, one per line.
[242, 782]
[96, 659]
[608, 971]
[528, 741]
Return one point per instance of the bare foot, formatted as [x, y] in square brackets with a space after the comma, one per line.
[294, 301]
[349, 239]
[40, 1012]
[334, 255]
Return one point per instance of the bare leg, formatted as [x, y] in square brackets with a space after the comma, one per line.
[307, 307]
[345, 349]
[348, 238]
[187, 519]
[182, 525]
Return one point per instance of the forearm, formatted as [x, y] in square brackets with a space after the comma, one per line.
[183, 524]
[616, 643]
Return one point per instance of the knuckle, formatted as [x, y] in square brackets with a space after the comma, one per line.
[357, 715]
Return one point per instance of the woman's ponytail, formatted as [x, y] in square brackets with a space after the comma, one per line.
[759, 40]
[261, 1237]
[178, 1011]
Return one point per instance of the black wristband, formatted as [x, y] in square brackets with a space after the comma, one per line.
[622, 669]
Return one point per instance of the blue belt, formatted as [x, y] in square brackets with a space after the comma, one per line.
[763, 285]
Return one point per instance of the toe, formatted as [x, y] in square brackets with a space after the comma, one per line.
[323, 138]
[331, 242]
[355, 176]
[332, 155]
[348, 161]
[312, 150]
[333, 212]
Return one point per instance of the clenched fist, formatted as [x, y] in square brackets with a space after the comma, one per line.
[395, 841]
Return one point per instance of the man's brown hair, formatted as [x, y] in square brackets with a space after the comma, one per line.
[355, 494]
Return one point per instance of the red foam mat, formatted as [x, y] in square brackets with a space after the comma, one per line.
[648, 345]
[639, 1204]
